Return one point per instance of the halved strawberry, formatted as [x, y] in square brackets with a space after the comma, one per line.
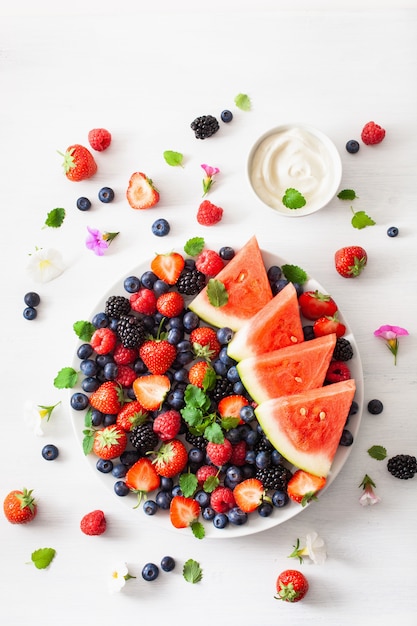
[141, 193]
[171, 458]
[327, 325]
[248, 494]
[230, 406]
[151, 390]
[168, 267]
[303, 486]
[142, 478]
[183, 512]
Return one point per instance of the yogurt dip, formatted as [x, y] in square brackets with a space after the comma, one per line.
[296, 157]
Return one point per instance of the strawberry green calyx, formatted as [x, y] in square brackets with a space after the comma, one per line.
[108, 437]
[26, 499]
[287, 592]
[69, 161]
[358, 266]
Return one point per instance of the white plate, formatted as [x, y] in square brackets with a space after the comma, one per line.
[255, 523]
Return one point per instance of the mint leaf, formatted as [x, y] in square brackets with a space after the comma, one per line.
[227, 423]
[66, 378]
[84, 330]
[188, 484]
[361, 220]
[42, 557]
[209, 380]
[55, 218]
[242, 101]
[217, 293]
[347, 194]
[293, 199]
[214, 433]
[173, 158]
[199, 532]
[377, 452]
[194, 246]
[211, 483]
[294, 274]
[192, 571]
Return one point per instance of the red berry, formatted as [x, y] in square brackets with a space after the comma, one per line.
[219, 453]
[204, 472]
[143, 301]
[209, 262]
[123, 355]
[167, 425]
[99, 139]
[170, 304]
[103, 340]
[337, 371]
[222, 499]
[93, 523]
[372, 134]
[125, 376]
[209, 214]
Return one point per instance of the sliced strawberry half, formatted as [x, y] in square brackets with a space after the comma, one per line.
[230, 406]
[303, 486]
[141, 193]
[151, 390]
[183, 511]
[142, 478]
[248, 494]
[168, 267]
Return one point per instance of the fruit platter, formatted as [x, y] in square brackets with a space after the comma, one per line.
[218, 392]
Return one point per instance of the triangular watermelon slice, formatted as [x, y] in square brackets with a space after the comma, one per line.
[289, 370]
[306, 428]
[246, 281]
[277, 325]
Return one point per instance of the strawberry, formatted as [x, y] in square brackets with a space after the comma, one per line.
[151, 390]
[20, 506]
[79, 163]
[167, 424]
[103, 340]
[171, 458]
[372, 134]
[314, 304]
[219, 453]
[141, 193]
[158, 355]
[328, 325]
[209, 262]
[109, 442]
[209, 214]
[93, 523]
[230, 406]
[132, 414]
[199, 374]
[123, 355]
[248, 494]
[291, 586]
[183, 512]
[142, 477]
[108, 398]
[168, 267]
[337, 371]
[350, 261]
[303, 486]
[205, 342]
[99, 139]
[143, 301]
[222, 499]
[170, 304]
[125, 376]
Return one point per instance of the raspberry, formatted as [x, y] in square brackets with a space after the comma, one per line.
[143, 301]
[222, 500]
[167, 425]
[337, 371]
[93, 523]
[103, 340]
[99, 139]
[204, 472]
[219, 453]
[170, 304]
[208, 213]
[209, 262]
[239, 453]
[124, 356]
[125, 375]
[372, 133]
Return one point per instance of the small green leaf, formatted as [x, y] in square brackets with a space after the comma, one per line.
[192, 571]
[66, 378]
[210, 379]
[361, 220]
[188, 484]
[199, 532]
[55, 218]
[84, 330]
[214, 433]
[88, 441]
[211, 483]
[377, 452]
[242, 101]
[194, 246]
[227, 423]
[347, 194]
[43, 557]
[173, 158]
[293, 199]
[217, 293]
[294, 274]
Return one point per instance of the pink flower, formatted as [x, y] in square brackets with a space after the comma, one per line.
[368, 496]
[99, 242]
[390, 334]
[208, 180]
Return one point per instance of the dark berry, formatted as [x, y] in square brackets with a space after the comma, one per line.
[117, 306]
[160, 228]
[106, 195]
[274, 477]
[224, 335]
[150, 507]
[191, 281]
[274, 273]
[83, 204]
[265, 509]
[226, 253]
[104, 466]
[150, 571]
[90, 384]
[220, 520]
[402, 466]
[237, 517]
[50, 452]
[375, 407]
[121, 489]
[392, 231]
[204, 126]
[167, 564]
[308, 332]
[84, 351]
[148, 279]
[226, 116]
[29, 313]
[132, 284]
[100, 320]
[352, 146]
[346, 438]
[119, 470]
[280, 498]
[79, 401]
[32, 299]
[163, 500]
[343, 350]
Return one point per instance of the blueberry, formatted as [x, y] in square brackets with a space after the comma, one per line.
[233, 375]
[32, 299]
[308, 332]
[129, 457]
[84, 351]
[227, 253]
[175, 399]
[106, 195]
[220, 520]
[346, 438]
[375, 407]
[88, 367]
[110, 371]
[50, 452]
[352, 146]
[104, 466]
[224, 335]
[274, 273]
[279, 498]
[148, 279]
[90, 384]
[265, 509]
[263, 459]
[109, 420]
[160, 287]
[226, 116]
[250, 457]
[119, 470]
[100, 320]
[167, 484]
[392, 231]
[234, 474]
[276, 457]
[225, 358]
[278, 285]
[181, 375]
[237, 517]
[252, 437]
[150, 571]
[29, 313]
[96, 417]
[208, 513]
[195, 455]
[354, 408]
[167, 564]
[83, 204]
[79, 401]
[203, 498]
[219, 367]
[120, 488]
[176, 491]
[160, 227]
[163, 499]
[150, 507]
[190, 321]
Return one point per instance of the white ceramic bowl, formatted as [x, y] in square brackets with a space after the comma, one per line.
[294, 156]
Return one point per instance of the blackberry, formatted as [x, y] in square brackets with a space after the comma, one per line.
[191, 281]
[196, 441]
[274, 477]
[402, 466]
[143, 438]
[222, 388]
[116, 306]
[343, 350]
[263, 445]
[131, 331]
[205, 126]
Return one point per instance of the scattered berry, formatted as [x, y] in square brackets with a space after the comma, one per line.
[375, 407]
[205, 342]
[150, 390]
[392, 231]
[108, 398]
[106, 195]
[131, 415]
[343, 350]
[150, 572]
[350, 261]
[352, 146]
[160, 227]
[171, 458]
[402, 466]
[248, 494]
[372, 134]
[79, 163]
[198, 372]
[226, 116]
[141, 192]
[183, 512]
[167, 564]
[205, 126]
[209, 262]
[93, 523]
[20, 506]
[209, 214]
[103, 340]
[227, 253]
[328, 325]
[83, 204]
[303, 486]
[32, 299]
[158, 355]
[291, 585]
[50, 452]
[99, 139]
[29, 313]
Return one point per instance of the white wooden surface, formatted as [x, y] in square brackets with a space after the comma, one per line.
[145, 74]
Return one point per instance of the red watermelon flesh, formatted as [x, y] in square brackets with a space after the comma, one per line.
[306, 428]
[277, 325]
[247, 285]
[289, 370]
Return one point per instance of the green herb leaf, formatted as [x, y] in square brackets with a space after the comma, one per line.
[214, 433]
[66, 378]
[294, 274]
[88, 440]
[361, 220]
[242, 101]
[227, 423]
[199, 532]
[195, 397]
[42, 557]
[194, 246]
[84, 330]
[55, 218]
[173, 158]
[217, 293]
[192, 571]
[188, 484]
[377, 452]
[209, 380]
[347, 194]
[211, 483]
[293, 199]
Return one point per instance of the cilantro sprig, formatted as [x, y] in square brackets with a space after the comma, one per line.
[200, 417]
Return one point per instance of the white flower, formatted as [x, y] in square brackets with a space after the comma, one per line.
[369, 497]
[118, 578]
[316, 548]
[33, 418]
[45, 265]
